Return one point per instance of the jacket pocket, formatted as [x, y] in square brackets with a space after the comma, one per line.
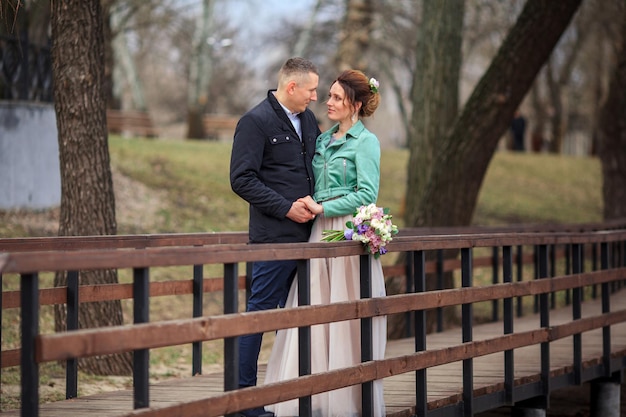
[285, 147]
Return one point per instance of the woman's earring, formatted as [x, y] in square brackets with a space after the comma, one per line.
[353, 118]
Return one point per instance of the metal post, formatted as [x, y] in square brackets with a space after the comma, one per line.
[231, 344]
[509, 372]
[520, 277]
[606, 308]
[71, 365]
[605, 398]
[419, 279]
[494, 279]
[577, 312]
[305, 405]
[466, 320]
[141, 357]
[544, 314]
[29, 294]
[409, 288]
[198, 295]
[439, 287]
[367, 349]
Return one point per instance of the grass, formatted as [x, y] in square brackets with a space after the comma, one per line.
[518, 188]
[191, 183]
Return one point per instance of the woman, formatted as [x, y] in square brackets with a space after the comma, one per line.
[347, 172]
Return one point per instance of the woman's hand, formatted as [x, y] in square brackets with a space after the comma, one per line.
[314, 207]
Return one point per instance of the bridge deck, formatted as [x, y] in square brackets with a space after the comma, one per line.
[444, 382]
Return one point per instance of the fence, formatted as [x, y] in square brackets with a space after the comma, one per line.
[31, 257]
[25, 70]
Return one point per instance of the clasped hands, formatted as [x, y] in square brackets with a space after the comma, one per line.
[304, 209]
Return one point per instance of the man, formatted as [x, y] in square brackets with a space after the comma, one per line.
[270, 168]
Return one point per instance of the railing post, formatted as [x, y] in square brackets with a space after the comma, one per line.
[466, 319]
[29, 294]
[409, 288]
[495, 264]
[577, 312]
[568, 270]
[520, 277]
[537, 275]
[231, 344]
[544, 320]
[141, 357]
[419, 280]
[552, 254]
[594, 266]
[440, 273]
[71, 365]
[509, 370]
[605, 262]
[305, 405]
[249, 266]
[198, 296]
[367, 350]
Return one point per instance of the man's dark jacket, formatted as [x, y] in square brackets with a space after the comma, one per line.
[271, 168]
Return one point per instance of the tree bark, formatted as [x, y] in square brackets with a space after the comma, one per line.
[200, 73]
[447, 167]
[435, 92]
[435, 96]
[463, 155]
[354, 38]
[87, 198]
[612, 132]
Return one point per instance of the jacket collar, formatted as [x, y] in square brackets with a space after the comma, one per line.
[353, 132]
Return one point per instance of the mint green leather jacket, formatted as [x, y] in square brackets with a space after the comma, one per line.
[347, 172]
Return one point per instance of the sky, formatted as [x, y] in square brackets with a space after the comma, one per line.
[256, 18]
[259, 14]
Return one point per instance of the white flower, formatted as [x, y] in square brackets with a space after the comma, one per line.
[374, 84]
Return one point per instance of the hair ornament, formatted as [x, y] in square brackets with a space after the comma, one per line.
[374, 84]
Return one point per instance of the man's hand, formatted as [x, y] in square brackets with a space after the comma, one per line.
[299, 212]
[313, 207]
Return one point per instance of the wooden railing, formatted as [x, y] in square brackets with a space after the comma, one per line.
[31, 256]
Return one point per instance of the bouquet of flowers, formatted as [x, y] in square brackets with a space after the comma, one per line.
[370, 225]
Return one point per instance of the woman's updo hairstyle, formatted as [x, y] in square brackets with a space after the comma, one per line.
[359, 89]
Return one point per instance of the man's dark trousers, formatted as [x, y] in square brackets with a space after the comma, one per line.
[270, 285]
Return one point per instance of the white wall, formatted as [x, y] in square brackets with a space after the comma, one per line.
[30, 175]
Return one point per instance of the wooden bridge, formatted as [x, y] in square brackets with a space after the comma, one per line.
[570, 278]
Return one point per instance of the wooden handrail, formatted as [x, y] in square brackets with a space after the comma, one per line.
[110, 340]
[59, 260]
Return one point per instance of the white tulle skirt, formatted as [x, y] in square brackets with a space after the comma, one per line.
[334, 345]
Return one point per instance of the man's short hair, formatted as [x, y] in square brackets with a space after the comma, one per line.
[294, 69]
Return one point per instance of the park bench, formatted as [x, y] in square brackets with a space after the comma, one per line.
[220, 126]
[130, 123]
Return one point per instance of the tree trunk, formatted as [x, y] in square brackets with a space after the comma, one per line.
[435, 93]
[112, 100]
[200, 73]
[303, 46]
[87, 198]
[463, 155]
[354, 38]
[540, 117]
[612, 132]
[446, 168]
[435, 96]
